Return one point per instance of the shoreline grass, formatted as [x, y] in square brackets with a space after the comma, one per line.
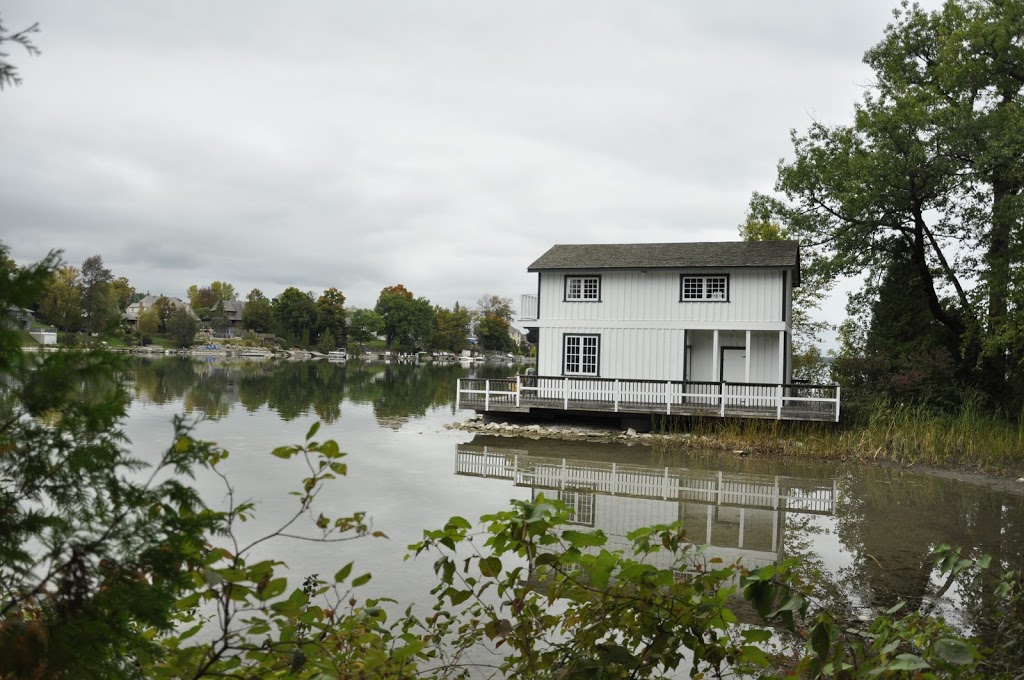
[906, 435]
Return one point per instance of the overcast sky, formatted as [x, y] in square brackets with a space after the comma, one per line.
[442, 145]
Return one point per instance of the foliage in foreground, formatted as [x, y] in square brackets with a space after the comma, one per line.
[110, 568]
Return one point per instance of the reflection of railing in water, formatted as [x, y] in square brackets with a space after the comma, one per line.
[733, 517]
[682, 484]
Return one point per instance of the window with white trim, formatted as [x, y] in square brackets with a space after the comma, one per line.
[583, 288]
[581, 502]
[704, 288]
[581, 353]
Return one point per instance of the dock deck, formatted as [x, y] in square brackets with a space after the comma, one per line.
[527, 394]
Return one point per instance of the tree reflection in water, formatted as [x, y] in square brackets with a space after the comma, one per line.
[397, 392]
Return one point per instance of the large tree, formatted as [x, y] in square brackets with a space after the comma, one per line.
[408, 320]
[492, 333]
[182, 326]
[295, 313]
[930, 170]
[99, 304]
[364, 325]
[258, 314]
[500, 307]
[331, 314]
[494, 314]
[452, 328]
[61, 303]
[148, 325]
[123, 292]
[205, 298]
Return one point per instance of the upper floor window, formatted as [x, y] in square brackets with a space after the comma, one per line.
[704, 288]
[583, 288]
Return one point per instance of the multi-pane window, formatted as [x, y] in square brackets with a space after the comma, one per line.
[705, 288]
[583, 288]
[581, 354]
[581, 503]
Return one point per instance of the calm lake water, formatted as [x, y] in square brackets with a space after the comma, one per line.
[869, 531]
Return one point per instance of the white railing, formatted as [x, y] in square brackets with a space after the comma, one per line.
[777, 401]
[530, 307]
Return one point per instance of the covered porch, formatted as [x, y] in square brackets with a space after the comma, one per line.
[771, 401]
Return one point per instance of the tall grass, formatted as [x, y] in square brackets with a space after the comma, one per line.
[971, 437]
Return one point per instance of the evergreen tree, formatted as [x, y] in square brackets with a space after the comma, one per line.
[182, 327]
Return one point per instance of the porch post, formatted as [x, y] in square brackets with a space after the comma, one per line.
[746, 377]
[716, 373]
[715, 360]
[487, 395]
[458, 392]
[519, 388]
[782, 356]
[684, 372]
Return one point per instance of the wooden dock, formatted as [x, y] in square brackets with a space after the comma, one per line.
[527, 394]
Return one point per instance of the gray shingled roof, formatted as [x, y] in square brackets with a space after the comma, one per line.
[712, 255]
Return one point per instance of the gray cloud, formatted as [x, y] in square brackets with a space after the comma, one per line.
[441, 145]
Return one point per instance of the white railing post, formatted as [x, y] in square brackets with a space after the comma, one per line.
[487, 395]
[565, 393]
[519, 388]
[616, 391]
[721, 395]
[458, 393]
[668, 397]
[614, 479]
[778, 403]
[837, 403]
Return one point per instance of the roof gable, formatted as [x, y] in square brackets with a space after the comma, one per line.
[720, 254]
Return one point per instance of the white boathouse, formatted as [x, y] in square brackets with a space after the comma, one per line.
[670, 328]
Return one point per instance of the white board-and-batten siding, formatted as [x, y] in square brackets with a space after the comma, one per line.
[645, 330]
[755, 296]
[658, 353]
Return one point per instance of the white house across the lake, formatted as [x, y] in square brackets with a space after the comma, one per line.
[683, 328]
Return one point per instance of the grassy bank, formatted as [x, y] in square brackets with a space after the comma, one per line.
[972, 438]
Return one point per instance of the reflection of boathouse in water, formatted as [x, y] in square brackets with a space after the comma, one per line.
[737, 516]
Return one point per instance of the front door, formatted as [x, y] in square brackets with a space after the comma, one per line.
[734, 364]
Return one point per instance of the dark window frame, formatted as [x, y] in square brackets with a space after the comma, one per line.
[582, 277]
[565, 355]
[704, 282]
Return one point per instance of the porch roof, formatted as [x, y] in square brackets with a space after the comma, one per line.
[703, 255]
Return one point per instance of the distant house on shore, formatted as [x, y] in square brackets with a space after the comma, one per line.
[20, 318]
[137, 309]
[234, 310]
